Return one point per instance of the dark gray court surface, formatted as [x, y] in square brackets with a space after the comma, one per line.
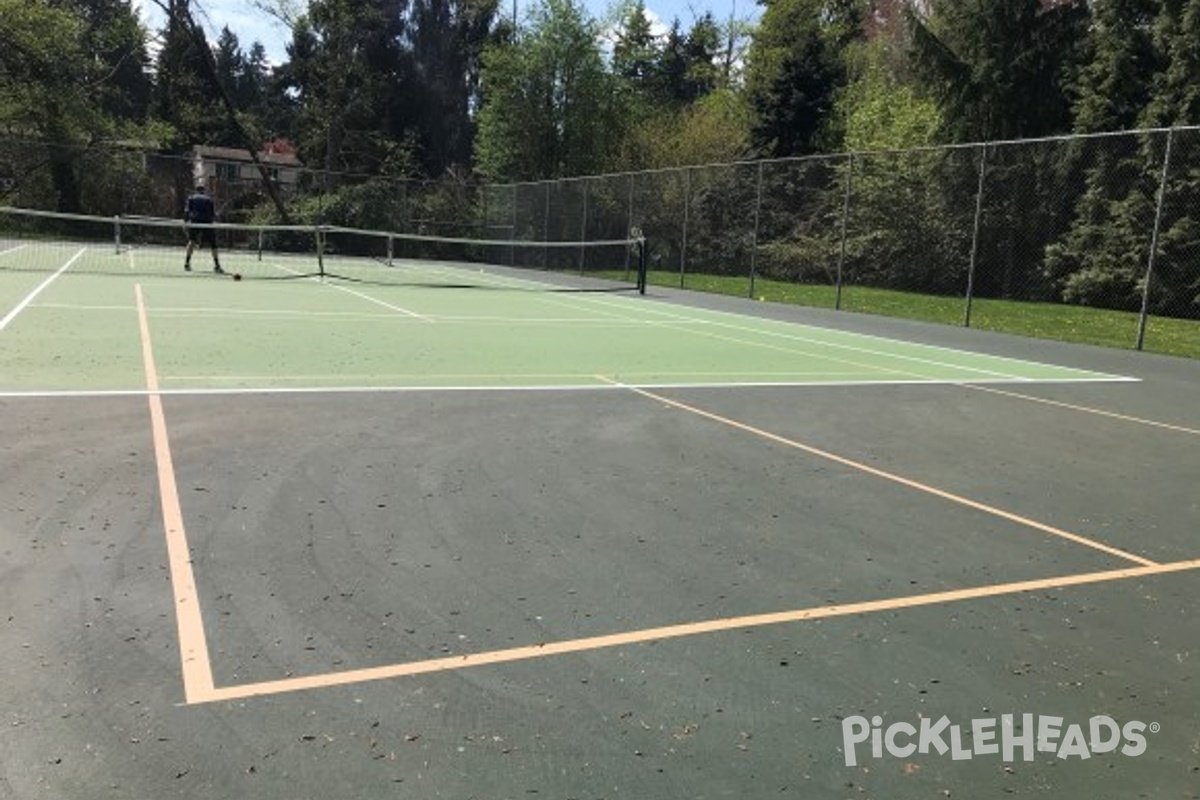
[340, 532]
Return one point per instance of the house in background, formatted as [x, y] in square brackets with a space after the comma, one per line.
[228, 170]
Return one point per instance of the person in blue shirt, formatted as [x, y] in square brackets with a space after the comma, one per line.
[201, 210]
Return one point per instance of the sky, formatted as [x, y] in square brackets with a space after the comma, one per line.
[250, 24]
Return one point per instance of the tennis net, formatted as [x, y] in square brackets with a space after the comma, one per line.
[41, 241]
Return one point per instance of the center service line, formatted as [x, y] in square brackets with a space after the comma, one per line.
[398, 309]
[193, 646]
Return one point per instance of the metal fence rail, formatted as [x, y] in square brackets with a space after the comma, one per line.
[998, 235]
[1023, 236]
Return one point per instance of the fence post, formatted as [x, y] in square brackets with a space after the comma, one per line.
[687, 204]
[629, 228]
[546, 229]
[1162, 193]
[837, 301]
[975, 237]
[583, 228]
[754, 233]
[512, 229]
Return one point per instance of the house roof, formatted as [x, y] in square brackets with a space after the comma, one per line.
[236, 154]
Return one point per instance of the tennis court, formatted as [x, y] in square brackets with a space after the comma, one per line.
[453, 528]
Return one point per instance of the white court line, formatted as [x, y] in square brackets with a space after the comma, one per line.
[8, 250]
[681, 319]
[866, 350]
[677, 321]
[205, 311]
[284, 390]
[367, 297]
[686, 319]
[587, 378]
[624, 303]
[29, 298]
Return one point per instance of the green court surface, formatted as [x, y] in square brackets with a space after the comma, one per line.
[418, 326]
[451, 531]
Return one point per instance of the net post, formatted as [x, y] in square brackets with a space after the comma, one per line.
[512, 230]
[117, 232]
[546, 230]
[641, 280]
[391, 239]
[583, 228]
[630, 223]
[260, 243]
[319, 232]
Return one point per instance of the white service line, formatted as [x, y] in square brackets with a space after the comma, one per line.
[29, 298]
[367, 297]
[466, 389]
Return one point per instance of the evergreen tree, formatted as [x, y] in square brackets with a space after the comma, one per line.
[1114, 85]
[701, 54]
[348, 70]
[448, 38]
[1175, 284]
[636, 49]
[549, 104]
[114, 42]
[182, 97]
[1141, 72]
[670, 72]
[1000, 68]
[1175, 88]
[793, 76]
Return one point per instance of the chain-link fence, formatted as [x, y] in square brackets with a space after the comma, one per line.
[1088, 238]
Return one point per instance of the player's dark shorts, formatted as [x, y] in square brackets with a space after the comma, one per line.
[202, 237]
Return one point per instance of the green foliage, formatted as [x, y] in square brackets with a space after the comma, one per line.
[879, 112]
[1114, 85]
[544, 94]
[1144, 70]
[794, 73]
[714, 130]
[999, 68]
[347, 64]
[40, 62]
[448, 38]
[181, 96]
[70, 75]
[114, 40]
[635, 50]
